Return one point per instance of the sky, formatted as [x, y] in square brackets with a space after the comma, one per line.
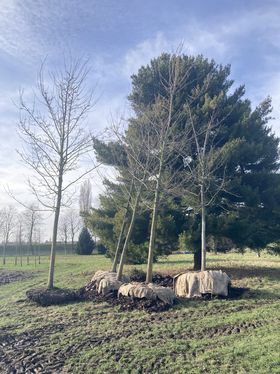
[118, 37]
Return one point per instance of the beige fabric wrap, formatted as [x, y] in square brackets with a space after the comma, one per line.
[148, 291]
[106, 281]
[194, 284]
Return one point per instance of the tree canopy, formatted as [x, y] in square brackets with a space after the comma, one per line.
[246, 210]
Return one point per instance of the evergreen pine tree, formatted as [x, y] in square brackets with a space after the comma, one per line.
[85, 243]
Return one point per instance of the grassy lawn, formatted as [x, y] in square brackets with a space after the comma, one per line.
[218, 336]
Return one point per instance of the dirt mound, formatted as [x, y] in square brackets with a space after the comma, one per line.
[58, 296]
[163, 280]
[124, 303]
[13, 276]
[158, 279]
[55, 296]
[128, 304]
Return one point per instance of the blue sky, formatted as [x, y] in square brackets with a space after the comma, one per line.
[118, 36]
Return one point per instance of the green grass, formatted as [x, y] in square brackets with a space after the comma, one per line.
[219, 336]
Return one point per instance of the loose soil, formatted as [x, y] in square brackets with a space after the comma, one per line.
[13, 276]
[58, 296]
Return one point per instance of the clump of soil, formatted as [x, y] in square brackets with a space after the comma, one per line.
[236, 292]
[159, 279]
[13, 276]
[55, 296]
[163, 280]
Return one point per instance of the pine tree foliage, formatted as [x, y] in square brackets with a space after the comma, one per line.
[242, 147]
[85, 243]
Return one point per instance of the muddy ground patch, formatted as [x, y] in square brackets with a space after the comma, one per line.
[7, 276]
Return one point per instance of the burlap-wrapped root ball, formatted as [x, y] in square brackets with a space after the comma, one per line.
[106, 281]
[148, 291]
[196, 283]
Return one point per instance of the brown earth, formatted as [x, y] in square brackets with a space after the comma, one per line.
[13, 276]
[24, 353]
[58, 296]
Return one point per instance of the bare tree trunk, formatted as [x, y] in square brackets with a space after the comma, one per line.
[54, 237]
[53, 249]
[72, 244]
[4, 253]
[129, 233]
[31, 237]
[39, 254]
[197, 259]
[120, 239]
[203, 231]
[16, 257]
[215, 246]
[65, 247]
[20, 253]
[149, 276]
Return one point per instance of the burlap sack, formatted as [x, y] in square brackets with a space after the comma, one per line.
[194, 284]
[148, 291]
[106, 281]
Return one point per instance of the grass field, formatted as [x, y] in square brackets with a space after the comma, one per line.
[217, 336]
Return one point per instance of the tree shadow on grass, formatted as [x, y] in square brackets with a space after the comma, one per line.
[270, 273]
[189, 261]
[177, 262]
[261, 297]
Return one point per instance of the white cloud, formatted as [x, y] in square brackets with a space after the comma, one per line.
[143, 53]
[16, 36]
[270, 87]
[194, 39]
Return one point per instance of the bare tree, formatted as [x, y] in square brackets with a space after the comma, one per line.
[85, 197]
[134, 203]
[31, 219]
[75, 224]
[52, 129]
[37, 240]
[162, 119]
[19, 238]
[133, 165]
[153, 148]
[8, 216]
[70, 224]
[122, 231]
[64, 230]
[206, 168]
